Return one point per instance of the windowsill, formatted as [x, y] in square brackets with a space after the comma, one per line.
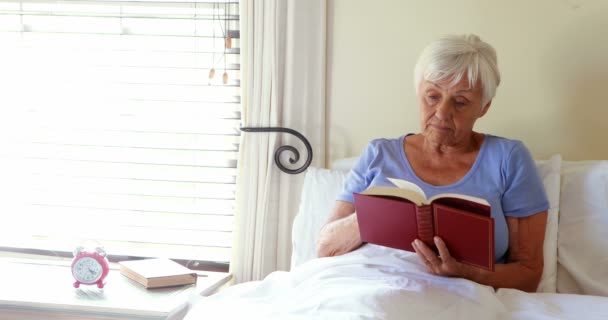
[35, 288]
[47, 255]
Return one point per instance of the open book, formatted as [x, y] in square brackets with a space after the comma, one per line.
[396, 216]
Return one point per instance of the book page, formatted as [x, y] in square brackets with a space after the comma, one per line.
[404, 184]
[460, 196]
[407, 194]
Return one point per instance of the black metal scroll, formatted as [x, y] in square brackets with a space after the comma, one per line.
[277, 153]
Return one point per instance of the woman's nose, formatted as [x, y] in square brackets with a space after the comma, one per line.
[443, 111]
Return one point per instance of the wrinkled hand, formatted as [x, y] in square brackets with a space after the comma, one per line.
[442, 265]
[339, 237]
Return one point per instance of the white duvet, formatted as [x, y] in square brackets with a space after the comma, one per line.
[381, 283]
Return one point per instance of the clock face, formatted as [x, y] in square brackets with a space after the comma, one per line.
[87, 270]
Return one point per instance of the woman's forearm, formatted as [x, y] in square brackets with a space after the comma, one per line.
[339, 237]
[511, 275]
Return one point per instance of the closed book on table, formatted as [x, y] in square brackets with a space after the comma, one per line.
[396, 216]
[156, 273]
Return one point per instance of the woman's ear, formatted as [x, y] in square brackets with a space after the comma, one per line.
[485, 109]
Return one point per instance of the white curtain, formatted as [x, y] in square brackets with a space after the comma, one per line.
[283, 83]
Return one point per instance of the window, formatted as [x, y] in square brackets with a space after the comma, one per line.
[112, 129]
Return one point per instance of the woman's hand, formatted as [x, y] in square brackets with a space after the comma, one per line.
[523, 270]
[341, 232]
[443, 264]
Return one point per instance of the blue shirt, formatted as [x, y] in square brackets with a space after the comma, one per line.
[504, 174]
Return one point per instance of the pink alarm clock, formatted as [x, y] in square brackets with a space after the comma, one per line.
[90, 267]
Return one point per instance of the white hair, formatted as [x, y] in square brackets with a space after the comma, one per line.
[455, 56]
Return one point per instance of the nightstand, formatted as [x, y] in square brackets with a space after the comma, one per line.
[31, 290]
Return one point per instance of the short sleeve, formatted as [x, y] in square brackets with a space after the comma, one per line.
[358, 179]
[524, 191]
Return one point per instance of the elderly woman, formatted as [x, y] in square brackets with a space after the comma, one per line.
[456, 78]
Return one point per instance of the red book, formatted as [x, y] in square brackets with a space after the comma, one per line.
[396, 216]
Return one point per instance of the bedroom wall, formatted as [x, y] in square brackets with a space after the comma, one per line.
[553, 56]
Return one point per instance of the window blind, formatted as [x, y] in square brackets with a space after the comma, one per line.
[113, 130]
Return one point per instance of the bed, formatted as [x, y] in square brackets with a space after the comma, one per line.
[375, 282]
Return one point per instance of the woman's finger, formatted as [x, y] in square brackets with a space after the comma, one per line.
[429, 255]
[444, 253]
[422, 257]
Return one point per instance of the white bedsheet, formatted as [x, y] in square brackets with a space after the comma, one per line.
[381, 283]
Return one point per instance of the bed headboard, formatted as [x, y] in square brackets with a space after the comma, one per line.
[281, 149]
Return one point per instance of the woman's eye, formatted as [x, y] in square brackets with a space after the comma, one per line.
[460, 103]
[433, 98]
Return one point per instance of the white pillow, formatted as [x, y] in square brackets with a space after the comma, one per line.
[549, 172]
[583, 228]
[319, 192]
[344, 164]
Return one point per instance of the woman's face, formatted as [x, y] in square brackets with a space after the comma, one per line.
[448, 114]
